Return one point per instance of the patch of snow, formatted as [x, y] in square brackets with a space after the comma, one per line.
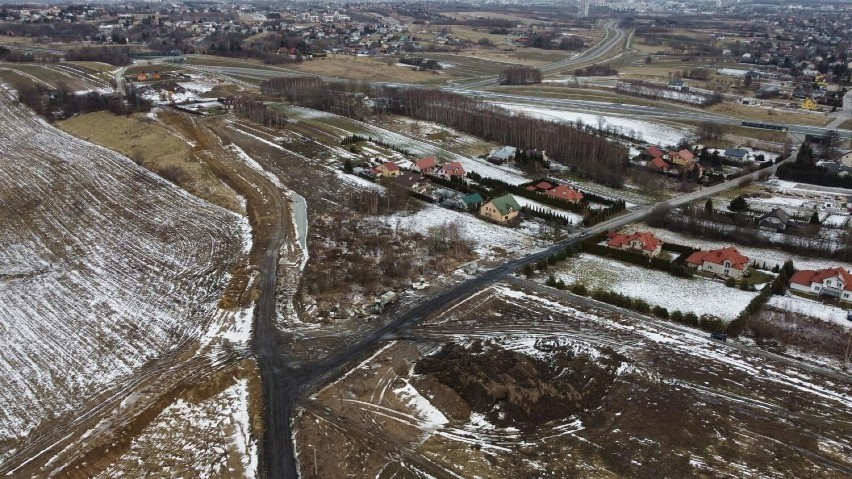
[650, 132]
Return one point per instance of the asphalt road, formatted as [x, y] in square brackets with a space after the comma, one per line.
[614, 37]
[284, 387]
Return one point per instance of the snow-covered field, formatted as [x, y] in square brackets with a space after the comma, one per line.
[189, 90]
[656, 133]
[658, 288]
[103, 266]
[211, 438]
[483, 236]
[814, 309]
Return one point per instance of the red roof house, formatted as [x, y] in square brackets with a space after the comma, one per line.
[565, 193]
[834, 282]
[426, 165]
[653, 151]
[450, 170]
[658, 164]
[682, 157]
[726, 262]
[641, 241]
[387, 169]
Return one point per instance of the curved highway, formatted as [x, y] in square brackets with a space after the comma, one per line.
[613, 38]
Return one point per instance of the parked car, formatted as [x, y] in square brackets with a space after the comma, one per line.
[719, 337]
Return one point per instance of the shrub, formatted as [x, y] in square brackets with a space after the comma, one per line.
[677, 316]
[730, 282]
[579, 288]
[660, 312]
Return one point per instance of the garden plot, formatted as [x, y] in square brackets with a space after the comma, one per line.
[649, 132]
[574, 218]
[697, 295]
[488, 240]
[762, 255]
[809, 307]
[103, 267]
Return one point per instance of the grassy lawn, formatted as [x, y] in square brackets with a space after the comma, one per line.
[212, 60]
[148, 67]
[93, 66]
[572, 93]
[769, 115]
[364, 68]
[756, 276]
[155, 147]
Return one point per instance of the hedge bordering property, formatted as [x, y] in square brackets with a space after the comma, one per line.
[777, 286]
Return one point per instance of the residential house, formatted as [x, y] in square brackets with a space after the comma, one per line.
[658, 164]
[565, 193]
[388, 170]
[837, 169]
[540, 186]
[652, 152]
[736, 154]
[846, 158]
[643, 242]
[141, 77]
[426, 166]
[678, 85]
[832, 282]
[776, 220]
[441, 195]
[502, 209]
[502, 155]
[449, 171]
[472, 201]
[683, 157]
[408, 180]
[847, 102]
[725, 262]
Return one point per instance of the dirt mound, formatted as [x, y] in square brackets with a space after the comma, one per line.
[514, 389]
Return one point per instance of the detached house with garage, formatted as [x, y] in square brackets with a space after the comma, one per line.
[643, 242]
[681, 158]
[451, 170]
[832, 282]
[388, 170]
[426, 166]
[725, 262]
[565, 193]
[502, 209]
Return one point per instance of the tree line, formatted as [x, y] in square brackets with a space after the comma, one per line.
[114, 56]
[587, 154]
[64, 102]
[520, 76]
[256, 111]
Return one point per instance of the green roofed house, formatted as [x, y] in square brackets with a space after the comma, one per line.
[502, 209]
[472, 201]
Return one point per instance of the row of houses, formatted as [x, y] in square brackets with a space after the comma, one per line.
[503, 209]
[728, 262]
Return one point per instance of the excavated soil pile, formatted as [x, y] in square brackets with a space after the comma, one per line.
[512, 389]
